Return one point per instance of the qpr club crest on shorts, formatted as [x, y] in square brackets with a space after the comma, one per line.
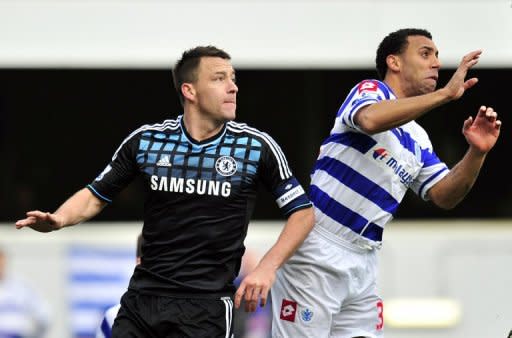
[225, 165]
[306, 315]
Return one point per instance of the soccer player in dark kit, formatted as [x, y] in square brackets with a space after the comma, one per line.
[201, 173]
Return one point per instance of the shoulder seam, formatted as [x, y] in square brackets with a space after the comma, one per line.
[166, 124]
[284, 169]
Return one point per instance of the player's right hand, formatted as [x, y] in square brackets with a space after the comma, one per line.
[255, 286]
[458, 84]
[40, 221]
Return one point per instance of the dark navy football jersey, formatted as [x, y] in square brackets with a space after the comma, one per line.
[199, 199]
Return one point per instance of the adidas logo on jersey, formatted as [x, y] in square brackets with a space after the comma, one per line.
[164, 162]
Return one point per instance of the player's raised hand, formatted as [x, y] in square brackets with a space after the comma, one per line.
[40, 221]
[253, 287]
[483, 131]
[458, 83]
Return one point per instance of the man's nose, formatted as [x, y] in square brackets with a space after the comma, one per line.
[437, 63]
[233, 87]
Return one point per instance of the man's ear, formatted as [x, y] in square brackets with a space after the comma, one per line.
[188, 91]
[393, 62]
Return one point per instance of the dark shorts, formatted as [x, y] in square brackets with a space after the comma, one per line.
[148, 316]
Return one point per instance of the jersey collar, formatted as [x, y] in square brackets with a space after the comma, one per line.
[214, 139]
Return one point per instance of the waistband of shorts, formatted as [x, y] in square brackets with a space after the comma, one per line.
[348, 239]
[180, 295]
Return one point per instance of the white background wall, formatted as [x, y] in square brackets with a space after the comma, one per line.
[467, 261]
[257, 33]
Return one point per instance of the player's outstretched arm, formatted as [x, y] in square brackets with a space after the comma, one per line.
[388, 114]
[80, 207]
[481, 133]
[257, 284]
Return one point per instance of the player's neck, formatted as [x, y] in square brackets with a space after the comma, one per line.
[395, 85]
[200, 127]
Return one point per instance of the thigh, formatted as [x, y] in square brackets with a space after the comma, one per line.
[361, 319]
[124, 326]
[168, 317]
[130, 321]
[361, 315]
[308, 291]
[195, 318]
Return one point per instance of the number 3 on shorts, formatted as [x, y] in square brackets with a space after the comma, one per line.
[380, 314]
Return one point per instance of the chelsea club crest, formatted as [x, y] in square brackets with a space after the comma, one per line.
[225, 165]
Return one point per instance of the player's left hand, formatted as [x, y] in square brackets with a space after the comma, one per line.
[255, 286]
[483, 131]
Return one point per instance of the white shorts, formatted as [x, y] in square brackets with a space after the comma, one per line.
[327, 289]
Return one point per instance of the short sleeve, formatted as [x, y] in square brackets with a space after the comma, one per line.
[432, 171]
[277, 177]
[363, 94]
[119, 172]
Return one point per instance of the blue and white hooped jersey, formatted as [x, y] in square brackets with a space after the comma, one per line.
[359, 180]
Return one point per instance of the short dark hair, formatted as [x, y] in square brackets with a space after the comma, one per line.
[185, 69]
[393, 44]
[140, 243]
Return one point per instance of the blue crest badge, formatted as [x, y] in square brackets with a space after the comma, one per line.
[306, 315]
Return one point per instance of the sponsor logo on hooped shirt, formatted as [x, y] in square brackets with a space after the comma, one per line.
[368, 86]
[380, 153]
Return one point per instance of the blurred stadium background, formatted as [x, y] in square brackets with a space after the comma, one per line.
[76, 77]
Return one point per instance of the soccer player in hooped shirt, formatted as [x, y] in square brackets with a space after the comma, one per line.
[201, 171]
[373, 155]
